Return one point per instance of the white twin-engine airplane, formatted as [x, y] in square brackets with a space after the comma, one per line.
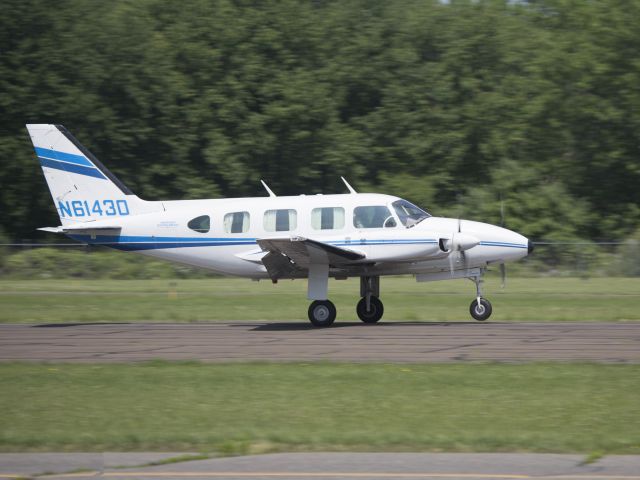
[362, 235]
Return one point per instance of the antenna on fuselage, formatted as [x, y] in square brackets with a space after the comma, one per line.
[351, 189]
[271, 194]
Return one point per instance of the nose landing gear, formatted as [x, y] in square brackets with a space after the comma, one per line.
[480, 308]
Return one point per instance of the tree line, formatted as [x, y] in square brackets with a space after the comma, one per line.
[467, 108]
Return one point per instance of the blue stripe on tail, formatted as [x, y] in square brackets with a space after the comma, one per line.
[62, 156]
[72, 168]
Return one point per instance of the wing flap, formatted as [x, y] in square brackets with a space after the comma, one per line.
[281, 266]
[298, 253]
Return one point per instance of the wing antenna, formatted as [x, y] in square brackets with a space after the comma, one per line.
[351, 189]
[269, 191]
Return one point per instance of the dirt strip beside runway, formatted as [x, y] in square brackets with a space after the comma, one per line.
[386, 342]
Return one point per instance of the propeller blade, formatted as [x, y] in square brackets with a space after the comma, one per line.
[503, 274]
[451, 262]
[501, 212]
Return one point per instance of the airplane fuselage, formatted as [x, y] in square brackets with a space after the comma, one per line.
[391, 250]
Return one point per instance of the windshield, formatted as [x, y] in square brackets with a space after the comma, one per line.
[409, 214]
[374, 216]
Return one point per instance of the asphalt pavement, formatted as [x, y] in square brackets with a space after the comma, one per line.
[348, 342]
[334, 466]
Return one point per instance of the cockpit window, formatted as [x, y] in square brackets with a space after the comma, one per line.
[375, 216]
[200, 224]
[408, 213]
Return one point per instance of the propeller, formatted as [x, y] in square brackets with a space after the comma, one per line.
[457, 245]
[503, 268]
[460, 252]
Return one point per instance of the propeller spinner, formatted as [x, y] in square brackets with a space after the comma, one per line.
[457, 245]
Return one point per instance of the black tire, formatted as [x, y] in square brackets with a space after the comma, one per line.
[480, 312]
[375, 312]
[322, 313]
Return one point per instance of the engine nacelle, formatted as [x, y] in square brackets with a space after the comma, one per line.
[458, 242]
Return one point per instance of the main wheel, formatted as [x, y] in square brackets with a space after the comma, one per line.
[322, 313]
[374, 313]
[480, 312]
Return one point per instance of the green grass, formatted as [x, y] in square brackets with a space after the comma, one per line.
[248, 408]
[222, 299]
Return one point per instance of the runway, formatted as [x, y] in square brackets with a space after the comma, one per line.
[349, 342]
[334, 466]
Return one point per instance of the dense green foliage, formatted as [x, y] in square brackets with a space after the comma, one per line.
[250, 408]
[456, 105]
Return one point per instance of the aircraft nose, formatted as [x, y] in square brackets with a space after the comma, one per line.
[513, 245]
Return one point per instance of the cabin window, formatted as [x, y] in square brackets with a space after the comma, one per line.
[408, 213]
[375, 216]
[280, 220]
[236, 222]
[200, 224]
[329, 218]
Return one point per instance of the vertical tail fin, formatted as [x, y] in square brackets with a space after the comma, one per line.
[81, 186]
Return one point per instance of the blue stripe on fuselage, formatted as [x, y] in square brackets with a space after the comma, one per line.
[137, 242]
[383, 242]
[72, 168]
[127, 242]
[164, 245]
[149, 239]
[62, 156]
[503, 244]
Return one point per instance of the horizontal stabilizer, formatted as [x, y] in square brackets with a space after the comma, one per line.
[52, 229]
[82, 227]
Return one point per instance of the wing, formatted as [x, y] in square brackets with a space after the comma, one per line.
[290, 257]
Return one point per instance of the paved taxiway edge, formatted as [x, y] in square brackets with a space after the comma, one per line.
[326, 465]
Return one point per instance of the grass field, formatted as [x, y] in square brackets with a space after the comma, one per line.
[265, 407]
[253, 408]
[222, 299]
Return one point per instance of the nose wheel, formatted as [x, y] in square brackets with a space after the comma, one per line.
[322, 313]
[480, 308]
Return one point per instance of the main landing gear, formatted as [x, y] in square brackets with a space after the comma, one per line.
[480, 308]
[322, 313]
[370, 308]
